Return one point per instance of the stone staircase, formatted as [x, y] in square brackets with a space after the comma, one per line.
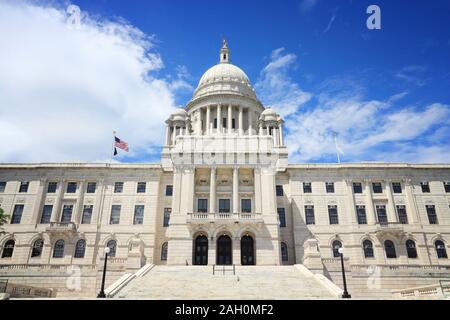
[250, 282]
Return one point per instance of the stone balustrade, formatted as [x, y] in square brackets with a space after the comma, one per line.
[202, 217]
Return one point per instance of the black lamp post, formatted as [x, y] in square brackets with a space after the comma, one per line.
[345, 295]
[102, 294]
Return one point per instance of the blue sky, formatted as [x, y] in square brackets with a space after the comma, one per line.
[386, 92]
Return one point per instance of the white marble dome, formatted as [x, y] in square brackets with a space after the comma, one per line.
[224, 78]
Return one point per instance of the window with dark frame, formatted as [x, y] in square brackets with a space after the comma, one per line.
[141, 187]
[224, 205]
[425, 186]
[58, 249]
[396, 187]
[24, 187]
[284, 252]
[377, 187]
[431, 213]
[164, 251]
[336, 245]
[51, 187]
[307, 187]
[46, 213]
[368, 249]
[169, 190]
[446, 187]
[2, 186]
[166, 218]
[66, 215]
[361, 214]
[357, 187]
[279, 190]
[333, 214]
[17, 214]
[8, 249]
[202, 205]
[381, 214]
[112, 245]
[246, 205]
[71, 187]
[87, 214]
[115, 214]
[309, 215]
[80, 249]
[441, 252]
[91, 187]
[329, 186]
[389, 248]
[138, 214]
[411, 249]
[118, 187]
[401, 213]
[282, 217]
[36, 250]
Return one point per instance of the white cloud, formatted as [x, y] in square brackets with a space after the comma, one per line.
[413, 74]
[63, 90]
[276, 89]
[330, 23]
[307, 5]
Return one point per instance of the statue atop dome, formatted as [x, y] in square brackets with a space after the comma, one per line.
[225, 45]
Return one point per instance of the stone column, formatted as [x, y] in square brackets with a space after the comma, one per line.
[241, 129]
[167, 134]
[57, 206]
[229, 120]
[411, 207]
[174, 134]
[99, 202]
[208, 120]
[236, 190]
[250, 122]
[281, 135]
[236, 250]
[219, 118]
[76, 215]
[370, 212]
[212, 191]
[40, 196]
[391, 212]
[275, 136]
[352, 204]
[261, 133]
[212, 250]
[257, 182]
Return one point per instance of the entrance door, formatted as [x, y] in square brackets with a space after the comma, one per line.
[247, 251]
[201, 250]
[224, 250]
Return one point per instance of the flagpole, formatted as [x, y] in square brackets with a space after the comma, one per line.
[112, 148]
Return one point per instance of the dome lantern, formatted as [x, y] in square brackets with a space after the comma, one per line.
[225, 53]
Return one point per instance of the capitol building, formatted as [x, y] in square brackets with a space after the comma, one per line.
[224, 194]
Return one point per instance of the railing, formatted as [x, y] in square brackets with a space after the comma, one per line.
[61, 227]
[389, 225]
[44, 267]
[223, 269]
[400, 267]
[223, 216]
[440, 289]
[445, 287]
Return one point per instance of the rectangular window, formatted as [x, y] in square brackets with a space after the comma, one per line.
[246, 205]
[46, 214]
[233, 123]
[91, 187]
[115, 214]
[282, 217]
[431, 212]
[24, 186]
[87, 214]
[224, 205]
[279, 190]
[17, 214]
[309, 215]
[118, 187]
[361, 214]
[202, 205]
[141, 186]
[402, 216]
[71, 187]
[425, 187]
[307, 187]
[357, 187]
[169, 190]
[329, 186]
[138, 214]
[51, 188]
[396, 187]
[446, 187]
[333, 215]
[215, 123]
[66, 215]
[2, 186]
[381, 214]
[167, 212]
[224, 122]
[377, 188]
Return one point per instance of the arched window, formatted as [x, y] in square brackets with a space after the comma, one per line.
[8, 249]
[80, 248]
[411, 249]
[335, 246]
[284, 252]
[390, 249]
[368, 249]
[36, 251]
[164, 249]
[112, 245]
[440, 249]
[58, 250]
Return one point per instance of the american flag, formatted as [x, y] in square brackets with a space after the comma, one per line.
[121, 144]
